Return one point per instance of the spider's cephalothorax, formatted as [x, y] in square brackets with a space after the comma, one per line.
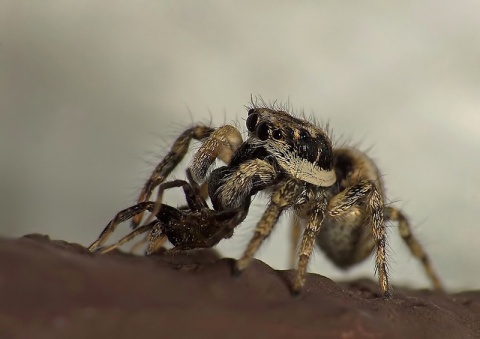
[336, 195]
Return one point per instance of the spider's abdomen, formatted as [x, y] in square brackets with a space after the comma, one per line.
[347, 238]
[346, 241]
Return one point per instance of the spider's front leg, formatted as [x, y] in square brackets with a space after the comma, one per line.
[218, 143]
[221, 144]
[366, 192]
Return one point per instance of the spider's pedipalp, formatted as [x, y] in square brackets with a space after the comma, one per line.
[232, 187]
[222, 144]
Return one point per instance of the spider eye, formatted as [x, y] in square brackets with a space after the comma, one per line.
[252, 122]
[277, 134]
[304, 135]
[251, 110]
[262, 131]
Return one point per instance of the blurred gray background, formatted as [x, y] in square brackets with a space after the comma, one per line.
[92, 93]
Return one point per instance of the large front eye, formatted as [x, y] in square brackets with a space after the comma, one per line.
[262, 131]
[252, 122]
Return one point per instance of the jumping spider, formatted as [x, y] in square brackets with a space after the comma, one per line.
[335, 193]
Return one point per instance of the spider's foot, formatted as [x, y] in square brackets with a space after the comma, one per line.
[296, 293]
[236, 272]
[387, 294]
[237, 268]
[93, 247]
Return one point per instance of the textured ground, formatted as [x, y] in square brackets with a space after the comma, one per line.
[53, 289]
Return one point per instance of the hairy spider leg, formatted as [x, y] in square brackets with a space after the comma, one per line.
[366, 192]
[413, 245]
[295, 234]
[308, 243]
[282, 198]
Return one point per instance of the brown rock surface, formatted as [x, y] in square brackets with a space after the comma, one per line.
[53, 289]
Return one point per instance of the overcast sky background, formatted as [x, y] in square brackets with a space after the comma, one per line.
[92, 93]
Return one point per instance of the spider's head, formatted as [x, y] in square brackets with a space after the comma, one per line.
[302, 149]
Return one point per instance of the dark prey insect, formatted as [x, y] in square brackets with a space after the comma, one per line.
[336, 194]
